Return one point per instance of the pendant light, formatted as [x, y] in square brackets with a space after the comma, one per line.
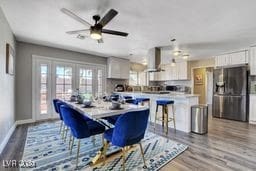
[173, 64]
[185, 56]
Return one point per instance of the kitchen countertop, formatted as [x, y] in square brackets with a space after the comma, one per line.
[170, 95]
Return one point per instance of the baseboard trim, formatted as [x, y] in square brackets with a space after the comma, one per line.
[7, 137]
[26, 121]
[11, 130]
[252, 122]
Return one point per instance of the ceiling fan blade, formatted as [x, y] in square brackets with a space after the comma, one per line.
[77, 31]
[108, 17]
[100, 41]
[75, 17]
[118, 33]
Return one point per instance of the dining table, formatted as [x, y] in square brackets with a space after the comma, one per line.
[99, 110]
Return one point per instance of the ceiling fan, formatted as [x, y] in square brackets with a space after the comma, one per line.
[97, 29]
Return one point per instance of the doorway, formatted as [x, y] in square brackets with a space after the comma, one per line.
[54, 78]
[203, 84]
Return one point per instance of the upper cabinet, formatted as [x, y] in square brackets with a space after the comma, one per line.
[252, 61]
[118, 68]
[232, 59]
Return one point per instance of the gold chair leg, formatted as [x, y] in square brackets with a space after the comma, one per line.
[143, 157]
[61, 124]
[63, 131]
[66, 132]
[77, 154]
[93, 140]
[155, 118]
[123, 157]
[104, 151]
[70, 138]
[72, 144]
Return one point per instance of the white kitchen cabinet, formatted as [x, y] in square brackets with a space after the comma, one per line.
[238, 58]
[183, 70]
[252, 60]
[178, 72]
[165, 59]
[252, 116]
[222, 60]
[118, 68]
[173, 73]
[154, 76]
[231, 59]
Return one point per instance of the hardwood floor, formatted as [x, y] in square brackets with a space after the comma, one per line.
[229, 145]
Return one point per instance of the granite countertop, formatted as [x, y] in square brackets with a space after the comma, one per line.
[169, 95]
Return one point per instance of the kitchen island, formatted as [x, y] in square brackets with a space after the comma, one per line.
[182, 107]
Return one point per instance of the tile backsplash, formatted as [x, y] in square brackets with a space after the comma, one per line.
[111, 83]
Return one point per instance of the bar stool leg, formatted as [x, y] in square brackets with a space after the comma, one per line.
[163, 117]
[173, 115]
[166, 118]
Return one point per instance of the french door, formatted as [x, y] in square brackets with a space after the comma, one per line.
[58, 79]
[42, 89]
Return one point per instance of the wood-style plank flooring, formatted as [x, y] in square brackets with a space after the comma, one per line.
[229, 145]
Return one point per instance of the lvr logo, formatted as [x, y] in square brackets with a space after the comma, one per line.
[10, 163]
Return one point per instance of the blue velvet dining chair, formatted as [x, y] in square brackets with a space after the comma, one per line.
[63, 127]
[80, 127]
[113, 119]
[129, 130]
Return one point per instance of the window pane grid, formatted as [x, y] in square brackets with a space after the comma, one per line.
[63, 82]
[43, 89]
[85, 82]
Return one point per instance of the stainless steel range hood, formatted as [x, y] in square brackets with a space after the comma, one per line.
[154, 60]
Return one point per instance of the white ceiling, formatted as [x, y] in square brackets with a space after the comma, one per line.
[203, 28]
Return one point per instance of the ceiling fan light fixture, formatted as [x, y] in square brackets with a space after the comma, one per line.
[177, 53]
[95, 33]
[96, 36]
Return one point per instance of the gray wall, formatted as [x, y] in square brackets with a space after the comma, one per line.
[7, 110]
[24, 72]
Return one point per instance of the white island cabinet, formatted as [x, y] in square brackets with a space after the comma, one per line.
[252, 115]
[252, 62]
[182, 105]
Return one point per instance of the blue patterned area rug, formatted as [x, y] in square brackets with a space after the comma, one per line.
[46, 148]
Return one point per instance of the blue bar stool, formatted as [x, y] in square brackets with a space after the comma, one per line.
[127, 97]
[165, 114]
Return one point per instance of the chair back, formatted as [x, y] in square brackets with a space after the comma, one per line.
[130, 128]
[75, 121]
[54, 101]
[58, 104]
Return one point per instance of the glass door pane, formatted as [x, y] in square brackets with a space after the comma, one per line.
[44, 89]
[42, 104]
[63, 81]
[100, 82]
[86, 82]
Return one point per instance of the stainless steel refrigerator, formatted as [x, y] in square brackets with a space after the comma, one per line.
[230, 94]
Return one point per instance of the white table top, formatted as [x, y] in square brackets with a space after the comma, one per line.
[102, 110]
